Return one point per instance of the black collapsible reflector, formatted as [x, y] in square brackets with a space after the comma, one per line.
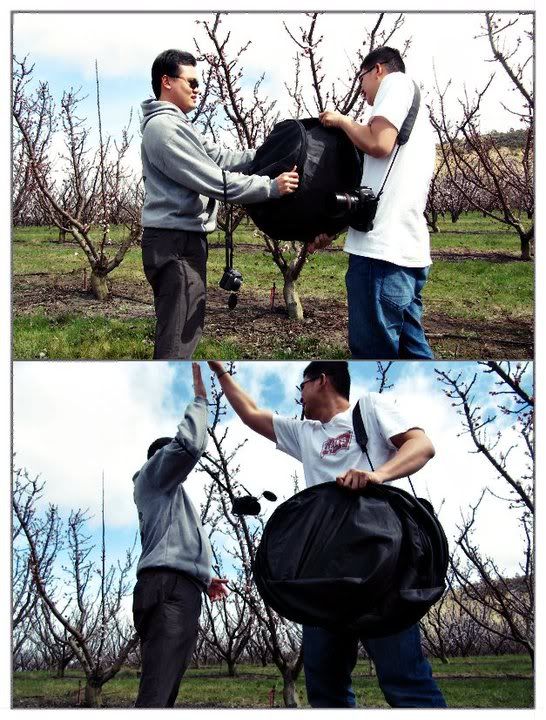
[371, 562]
[327, 163]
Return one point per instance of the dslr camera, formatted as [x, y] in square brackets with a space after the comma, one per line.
[231, 280]
[357, 207]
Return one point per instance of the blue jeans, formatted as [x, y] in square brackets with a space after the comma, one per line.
[385, 310]
[403, 673]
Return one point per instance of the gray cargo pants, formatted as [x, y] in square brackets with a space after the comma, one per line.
[175, 265]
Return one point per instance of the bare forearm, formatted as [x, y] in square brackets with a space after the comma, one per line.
[261, 421]
[360, 135]
[239, 400]
[410, 457]
[363, 137]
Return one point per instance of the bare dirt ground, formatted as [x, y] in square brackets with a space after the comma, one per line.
[260, 330]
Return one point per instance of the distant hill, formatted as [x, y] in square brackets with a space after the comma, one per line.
[513, 139]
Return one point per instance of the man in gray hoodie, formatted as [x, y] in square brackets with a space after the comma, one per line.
[175, 564]
[183, 177]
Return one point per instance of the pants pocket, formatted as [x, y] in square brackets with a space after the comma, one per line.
[397, 287]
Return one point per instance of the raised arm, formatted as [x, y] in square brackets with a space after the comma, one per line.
[377, 138]
[261, 421]
[198, 384]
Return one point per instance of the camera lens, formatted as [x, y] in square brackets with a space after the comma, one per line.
[336, 204]
[339, 204]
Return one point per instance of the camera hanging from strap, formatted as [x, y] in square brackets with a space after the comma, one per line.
[360, 207]
[231, 279]
[228, 232]
[361, 436]
[405, 131]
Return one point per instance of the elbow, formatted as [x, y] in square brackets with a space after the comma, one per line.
[381, 151]
[195, 447]
[248, 422]
[248, 418]
[253, 422]
[430, 451]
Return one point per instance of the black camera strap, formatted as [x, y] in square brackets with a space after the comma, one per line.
[361, 436]
[405, 130]
[228, 234]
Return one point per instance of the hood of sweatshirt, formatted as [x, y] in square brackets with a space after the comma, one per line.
[151, 108]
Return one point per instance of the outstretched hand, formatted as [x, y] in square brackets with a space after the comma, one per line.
[198, 384]
[216, 366]
[217, 589]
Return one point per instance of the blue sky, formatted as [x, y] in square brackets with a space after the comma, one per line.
[117, 94]
[72, 421]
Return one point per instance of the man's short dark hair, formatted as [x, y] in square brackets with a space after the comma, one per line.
[387, 56]
[168, 63]
[157, 445]
[337, 371]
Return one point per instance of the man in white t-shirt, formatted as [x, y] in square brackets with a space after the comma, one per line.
[388, 266]
[326, 445]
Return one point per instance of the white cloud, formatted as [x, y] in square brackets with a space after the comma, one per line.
[454, 479]
[72, 421]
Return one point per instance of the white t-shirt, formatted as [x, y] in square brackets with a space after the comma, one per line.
[329, 449]
[400, 234]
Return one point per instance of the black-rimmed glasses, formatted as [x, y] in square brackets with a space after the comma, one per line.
[365, 72]
[299, 388]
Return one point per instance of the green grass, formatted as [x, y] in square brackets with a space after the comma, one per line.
[465, 290]
[488, 242]
[480, 290]
[65, 337]
[211, 687]
[461, 285]
[473, 232]
[30, 256]
[483, 665]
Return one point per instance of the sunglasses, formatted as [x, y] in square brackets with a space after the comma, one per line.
[192, 82]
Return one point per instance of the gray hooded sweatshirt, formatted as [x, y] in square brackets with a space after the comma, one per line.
[182, 172]
[170, 528]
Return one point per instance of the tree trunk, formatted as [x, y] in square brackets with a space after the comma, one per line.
[432, 221]
[525, 240]
[93, 694]
[289, 693]
[99, 287]
[62, 236]
[292, 299]
[231, 668]
[61, 667]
